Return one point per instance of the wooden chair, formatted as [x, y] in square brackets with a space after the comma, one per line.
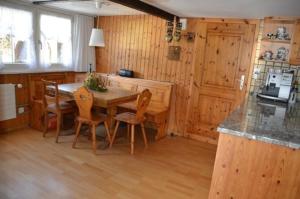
[84, 100]
[133, 119]
[52, 104]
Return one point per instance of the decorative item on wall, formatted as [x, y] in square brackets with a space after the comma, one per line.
[282, 54]
[177, 33]
[169, 34]
[281, 34]
[174, 53]
[267, 55]
[190, 36]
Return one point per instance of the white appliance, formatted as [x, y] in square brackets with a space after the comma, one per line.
[278, 86]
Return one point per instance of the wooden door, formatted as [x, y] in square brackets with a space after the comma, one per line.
[295, 50]
[223, 58]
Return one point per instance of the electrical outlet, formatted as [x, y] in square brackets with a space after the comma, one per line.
[21, 110]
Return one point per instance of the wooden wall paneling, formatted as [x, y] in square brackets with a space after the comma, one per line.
[130, 41]
[140, 46]
[295, 47]
[113, 42]
[143, 45]
[148, 46]
[162, 54]
[126, 41]
[194, 93]
[119, 49]
[157, 50]
[138, 42]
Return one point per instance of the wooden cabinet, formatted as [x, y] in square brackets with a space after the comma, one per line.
[295, 49]
[253, 169]
[224, 54]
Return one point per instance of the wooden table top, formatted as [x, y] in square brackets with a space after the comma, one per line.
[112, 97]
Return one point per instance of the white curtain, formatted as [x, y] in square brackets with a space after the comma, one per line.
[83, 55]
[56, 42]
[16, 37]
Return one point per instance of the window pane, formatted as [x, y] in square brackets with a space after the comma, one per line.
[16, 41]
[55, 40]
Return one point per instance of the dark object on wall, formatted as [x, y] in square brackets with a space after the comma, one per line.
[135, 4]
[190, 36]
[126, 73]
[177, 33]
[174, 53]
[170, 29]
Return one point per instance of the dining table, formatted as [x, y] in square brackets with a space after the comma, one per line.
[108, 99]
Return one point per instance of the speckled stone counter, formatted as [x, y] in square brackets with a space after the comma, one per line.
[267, 121]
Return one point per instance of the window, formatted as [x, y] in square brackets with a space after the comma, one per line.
[55, 40]
[16, 37]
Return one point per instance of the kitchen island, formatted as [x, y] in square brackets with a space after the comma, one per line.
[258, 153]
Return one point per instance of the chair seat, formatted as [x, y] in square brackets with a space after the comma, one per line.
[128, 118]
[96, 119]
[63, 107]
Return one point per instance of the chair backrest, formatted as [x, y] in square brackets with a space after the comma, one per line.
[142, 103]
[84, 100]
[50, 95]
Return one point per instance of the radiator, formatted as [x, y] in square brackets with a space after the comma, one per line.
[7, 102]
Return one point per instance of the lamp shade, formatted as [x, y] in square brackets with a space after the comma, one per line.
[97, 38]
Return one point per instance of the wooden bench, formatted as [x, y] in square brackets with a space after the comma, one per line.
[158, 109]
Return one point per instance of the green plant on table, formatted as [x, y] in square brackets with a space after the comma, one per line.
[94, 83]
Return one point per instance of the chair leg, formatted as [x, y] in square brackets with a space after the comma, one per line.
[107, 132]
[132, 140]
[58, 126]
[114, 135]
[77, 134]
[128, 131]
[46, 119]
[94, 138]
[144, 135]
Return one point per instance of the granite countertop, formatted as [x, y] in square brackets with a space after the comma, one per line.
[267, 121]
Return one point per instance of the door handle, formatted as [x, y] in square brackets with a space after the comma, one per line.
[242, 80]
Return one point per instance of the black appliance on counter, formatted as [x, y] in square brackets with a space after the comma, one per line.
[126, 73]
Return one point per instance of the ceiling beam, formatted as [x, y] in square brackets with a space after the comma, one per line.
[135, 4]
[147, 8]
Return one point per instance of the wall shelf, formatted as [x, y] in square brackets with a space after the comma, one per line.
[276, 41]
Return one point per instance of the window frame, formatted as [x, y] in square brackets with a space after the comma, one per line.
[39, 13]
[14, 66]
[36, 12]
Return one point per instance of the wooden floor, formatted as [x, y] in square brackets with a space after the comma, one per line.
[35, 167]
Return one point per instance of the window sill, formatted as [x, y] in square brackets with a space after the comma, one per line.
[24, 70]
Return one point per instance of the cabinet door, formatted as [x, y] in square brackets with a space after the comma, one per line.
[295, 51]
[224, 53]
